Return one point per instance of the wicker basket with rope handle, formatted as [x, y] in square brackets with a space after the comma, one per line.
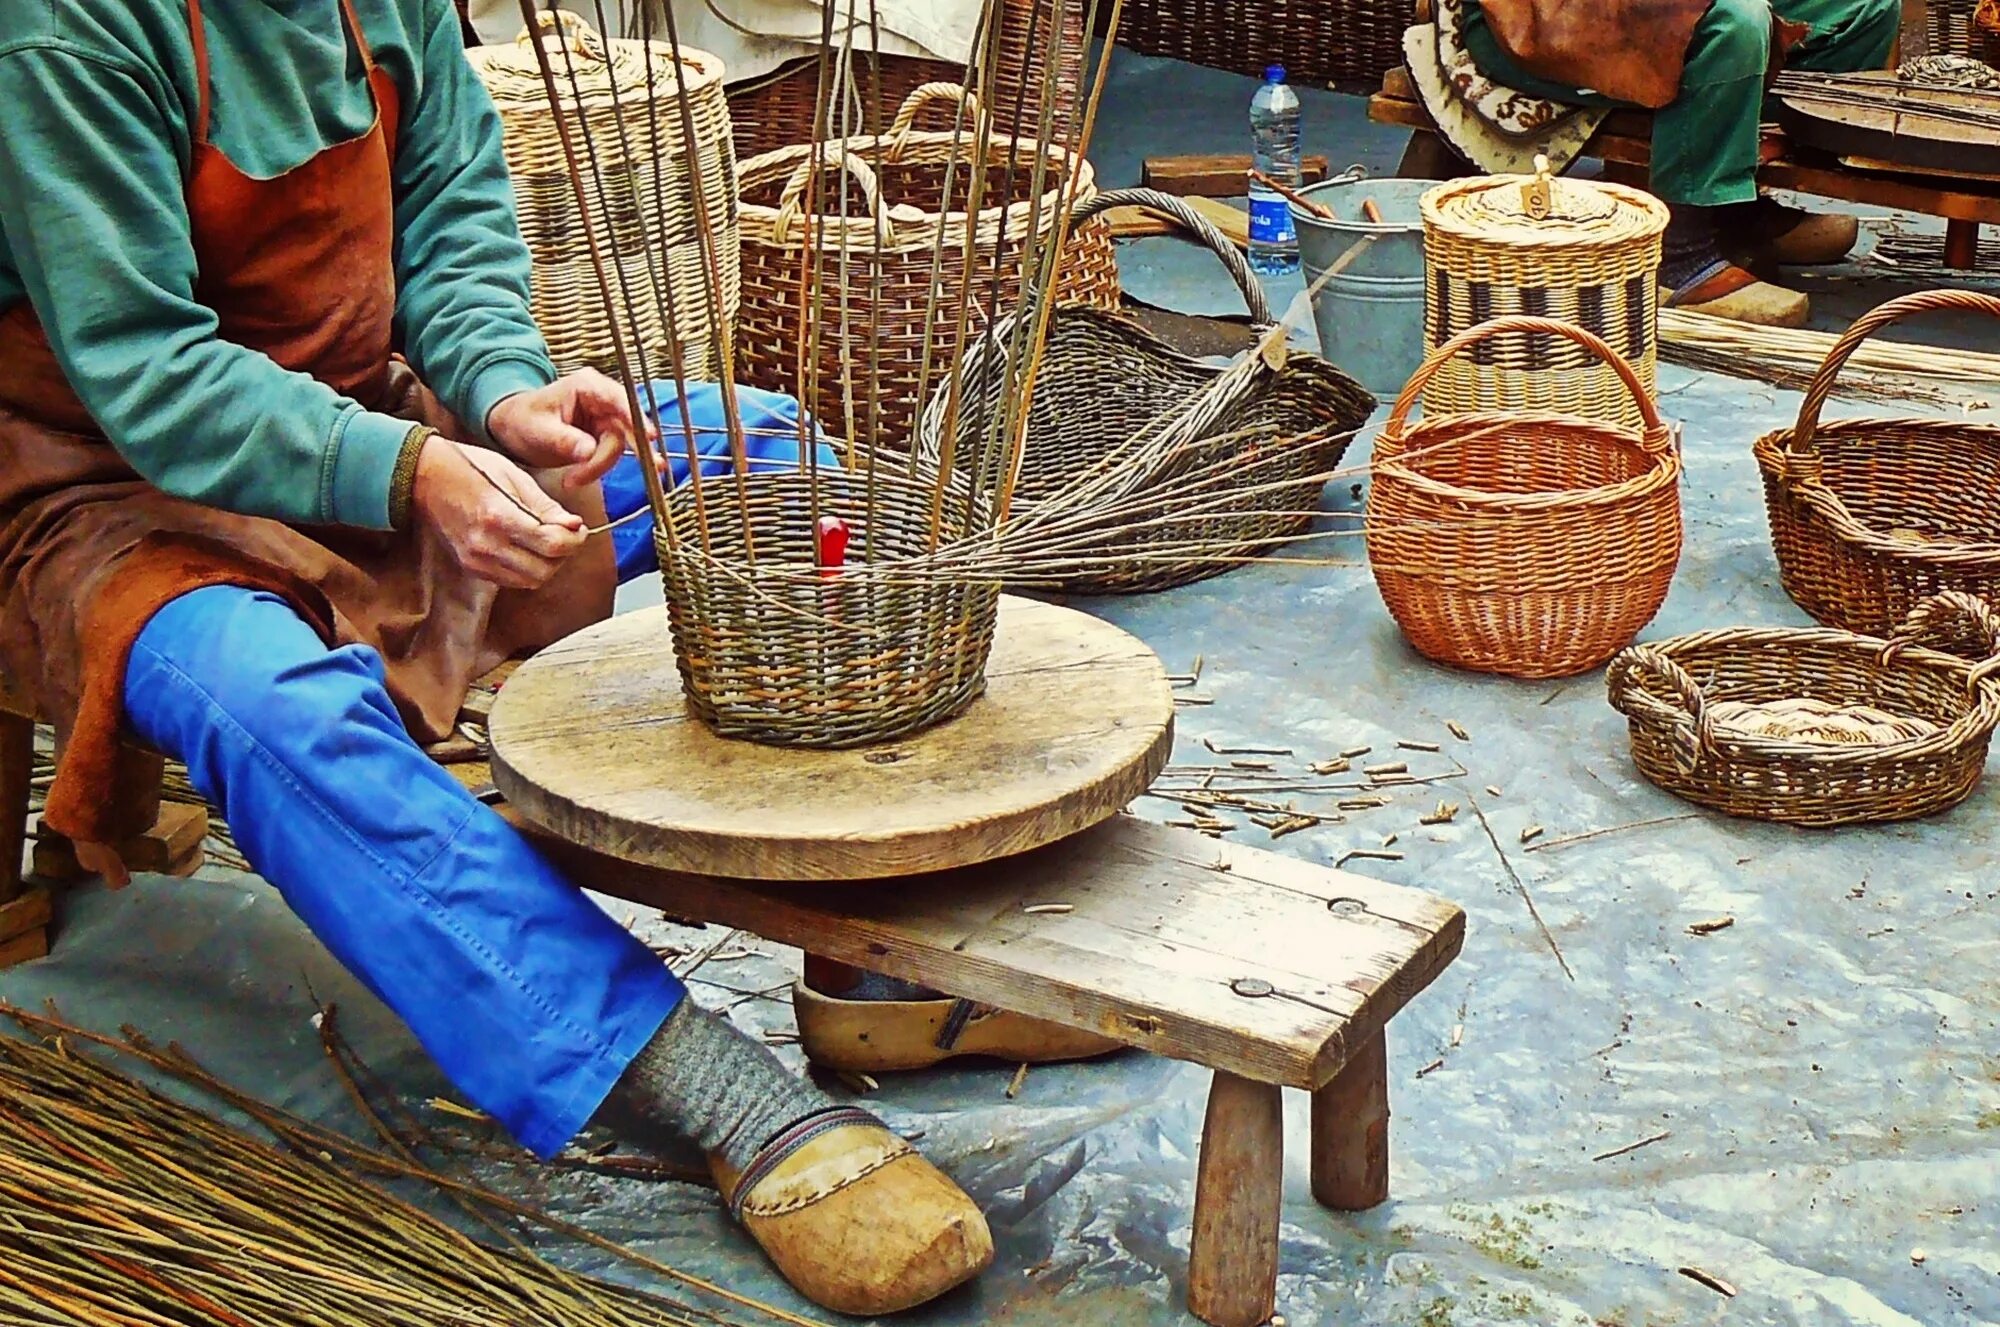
[1817, 726]
[1870, 517]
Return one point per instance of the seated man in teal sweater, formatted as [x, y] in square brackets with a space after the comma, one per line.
[283, 464]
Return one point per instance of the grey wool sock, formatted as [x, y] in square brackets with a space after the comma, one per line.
[703, 1079]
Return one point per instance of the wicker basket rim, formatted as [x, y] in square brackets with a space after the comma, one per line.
[1623, 229]
[517, 87]
[1631, 696]
[1664, 470]
[1777, 461]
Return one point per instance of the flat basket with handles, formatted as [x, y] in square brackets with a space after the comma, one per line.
[891, 257]
[1870, 517]
[1262, 442]
[1814, 725]
[1531, 544]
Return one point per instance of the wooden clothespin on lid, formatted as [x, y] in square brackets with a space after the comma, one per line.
[1538, 193]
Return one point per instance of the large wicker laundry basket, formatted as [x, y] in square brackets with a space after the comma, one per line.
[1817, 726]
[648, 200]
[1531, 544]
[1195, 469]
[1870, 517]
[1591, 258]
[889, 255]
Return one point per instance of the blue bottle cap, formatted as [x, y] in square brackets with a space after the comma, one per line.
[1274, 73]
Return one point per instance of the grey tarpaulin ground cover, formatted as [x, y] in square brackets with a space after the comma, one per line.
[1826, 1070]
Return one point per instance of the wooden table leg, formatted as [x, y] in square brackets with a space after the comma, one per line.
[1961, 245]
[17, 769]
[1350, 1132]
[1233, 1257]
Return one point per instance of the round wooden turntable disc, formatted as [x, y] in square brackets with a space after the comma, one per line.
[591, 740]
[1895, 124]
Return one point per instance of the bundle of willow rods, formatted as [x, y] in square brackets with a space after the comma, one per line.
[1879, 371]
[119, 1206]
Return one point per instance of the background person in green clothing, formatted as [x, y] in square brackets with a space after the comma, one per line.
[1705, 145]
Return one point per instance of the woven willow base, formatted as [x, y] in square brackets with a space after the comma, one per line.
[779, 653]
[1677, 696]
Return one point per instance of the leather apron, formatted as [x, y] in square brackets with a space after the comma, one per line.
[300, 268]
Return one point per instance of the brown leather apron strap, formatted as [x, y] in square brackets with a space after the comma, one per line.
[198, 34]
[360, 37]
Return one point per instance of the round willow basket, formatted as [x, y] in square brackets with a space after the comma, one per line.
[1816, 726]
[647, 201]
[1870, 517]
[888, 252]
[1575, 251]
[774, 649]
[1530, 544]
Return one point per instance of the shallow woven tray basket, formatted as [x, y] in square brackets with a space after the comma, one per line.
[780, 653]
[1592, 260]
[883, 254]
[1103, 380]
[651, 196]
[1525, 543]
[1714, 716]
[1870, 517]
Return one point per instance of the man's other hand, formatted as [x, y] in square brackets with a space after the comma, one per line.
[581, 424]
[499, 523]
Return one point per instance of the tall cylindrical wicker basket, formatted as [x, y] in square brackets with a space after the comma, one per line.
[648, 200]
[1576, 251]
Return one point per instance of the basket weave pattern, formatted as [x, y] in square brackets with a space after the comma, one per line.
[1870, 517]
[1670, 692]
[1592, 262]
[778, 653]
[1530, 544]
[648, 194]
[1349, 45]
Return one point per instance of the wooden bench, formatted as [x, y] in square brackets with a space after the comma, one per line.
[1624, 144]
[1272, 972]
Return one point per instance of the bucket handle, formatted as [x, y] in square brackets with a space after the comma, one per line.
[571, 28]
[929, 94]
[833, 155]
[1904, 306]
[1656, 437]
[1200, 227]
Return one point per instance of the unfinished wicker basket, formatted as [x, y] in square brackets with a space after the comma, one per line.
[648, 192]
[1575, 251]
[773, 649]
[1816, 726]
[1531, 544]
[1102, 390]
[1869, 517]
[889, 254]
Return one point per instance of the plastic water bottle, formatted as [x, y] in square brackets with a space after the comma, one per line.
[1276, 136]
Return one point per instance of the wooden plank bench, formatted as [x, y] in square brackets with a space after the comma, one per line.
[1272, 972]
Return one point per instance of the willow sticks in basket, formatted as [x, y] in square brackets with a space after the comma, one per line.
[1817, 726]
[1528, 543]
[1871, 516]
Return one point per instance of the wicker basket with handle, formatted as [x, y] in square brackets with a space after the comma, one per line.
[888, 253]
[1587, 254]
[1105, 383]
[1531, 544]
[1870, 517]
[1817, 726]
[648, 191]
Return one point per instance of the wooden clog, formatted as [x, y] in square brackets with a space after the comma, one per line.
[854, 1218]
[876, 1036]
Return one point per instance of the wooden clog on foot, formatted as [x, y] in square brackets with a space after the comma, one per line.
[1731, 292]
[887, 1036]
[854, 1218]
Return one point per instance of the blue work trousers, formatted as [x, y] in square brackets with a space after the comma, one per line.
[527, 995]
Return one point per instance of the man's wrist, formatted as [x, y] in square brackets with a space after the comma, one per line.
[403, 480]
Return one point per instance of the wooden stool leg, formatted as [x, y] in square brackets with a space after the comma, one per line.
[1350, 1132]
[1233, 1257]
[1961, 245]
[17, 769]
[1429, 157]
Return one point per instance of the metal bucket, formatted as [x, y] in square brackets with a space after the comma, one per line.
[1370, 315]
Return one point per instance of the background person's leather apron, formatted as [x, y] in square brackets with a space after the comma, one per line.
[300, 268]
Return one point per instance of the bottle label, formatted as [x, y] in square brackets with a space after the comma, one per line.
[1270, 221]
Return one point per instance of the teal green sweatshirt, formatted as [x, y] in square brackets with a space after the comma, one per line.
[99, 97]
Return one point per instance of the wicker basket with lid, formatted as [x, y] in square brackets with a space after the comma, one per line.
[648, 189]
[1576, 251]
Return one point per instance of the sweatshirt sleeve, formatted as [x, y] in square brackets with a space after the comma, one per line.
[462, 270]
[91, 205]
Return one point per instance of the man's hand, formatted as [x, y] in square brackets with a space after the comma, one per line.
[582, 423]
[499, 523]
